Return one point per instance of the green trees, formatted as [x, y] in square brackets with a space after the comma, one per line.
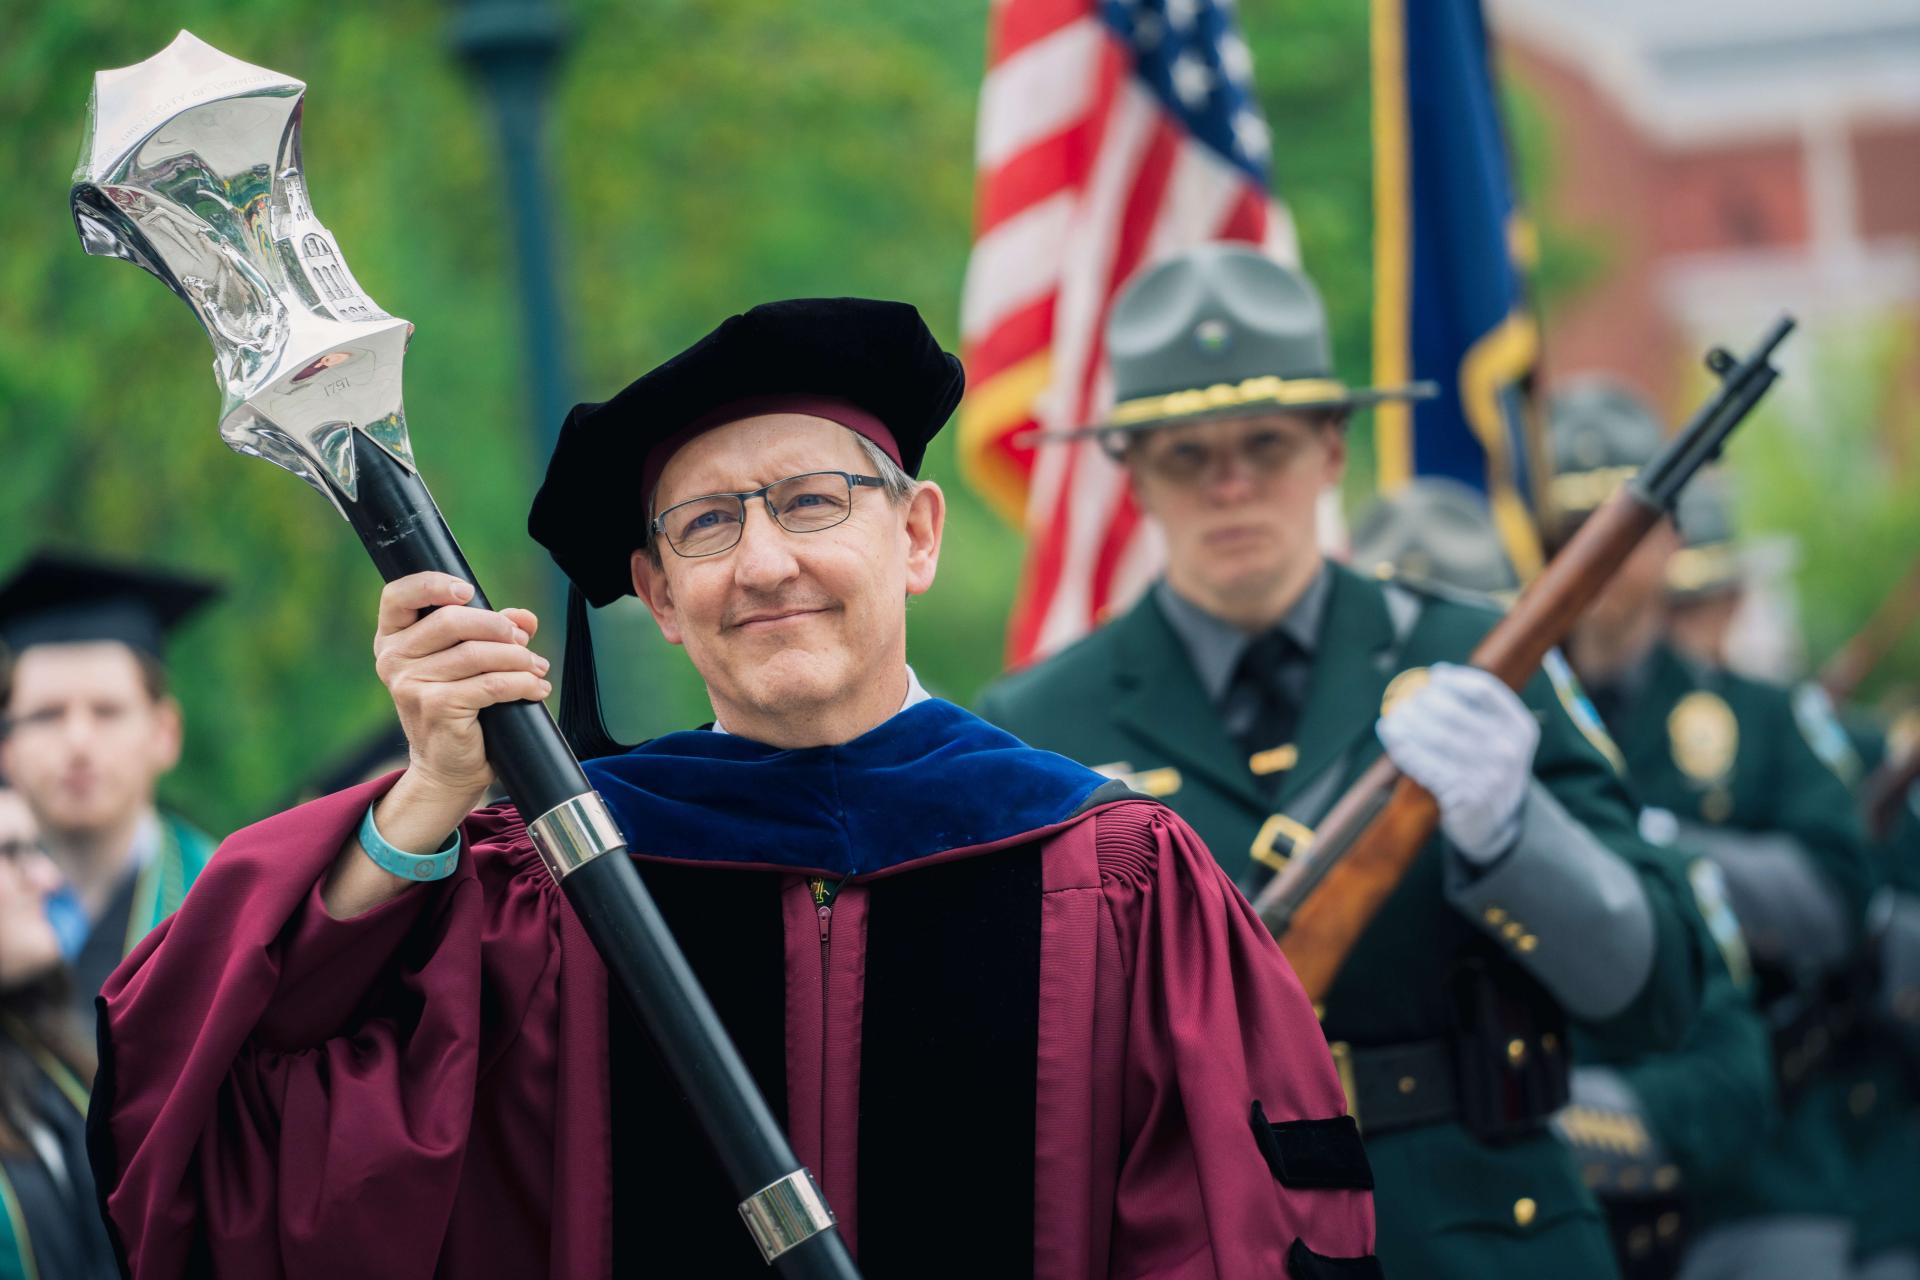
[708, 154]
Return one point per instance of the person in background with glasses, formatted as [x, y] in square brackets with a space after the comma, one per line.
[49, 1218]
[1253, 684]
[92, 728]
[1013, 1016]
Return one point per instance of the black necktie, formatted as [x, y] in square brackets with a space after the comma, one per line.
[1609, 703]
[1260, 706]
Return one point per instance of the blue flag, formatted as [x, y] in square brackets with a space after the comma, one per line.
[1450, 248]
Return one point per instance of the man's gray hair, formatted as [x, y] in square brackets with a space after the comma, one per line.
[894, 480]
[899, 485]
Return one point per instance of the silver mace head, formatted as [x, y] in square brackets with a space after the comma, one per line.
[191, 169]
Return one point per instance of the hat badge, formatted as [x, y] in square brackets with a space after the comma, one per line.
[1212, 337]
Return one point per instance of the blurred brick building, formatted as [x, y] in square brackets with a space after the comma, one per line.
[1727, 159]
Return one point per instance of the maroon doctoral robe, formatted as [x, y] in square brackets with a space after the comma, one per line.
[424, 1090]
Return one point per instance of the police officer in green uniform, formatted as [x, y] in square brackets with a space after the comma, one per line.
[1245, 689]
[1648, 1131]
[91, 729]
[1745, 773]
[1883, 1088]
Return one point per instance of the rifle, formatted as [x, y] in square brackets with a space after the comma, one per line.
[1322, 900]
[1882, 794]
[1849, 668]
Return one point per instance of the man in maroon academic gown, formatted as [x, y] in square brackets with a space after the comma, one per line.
[1014, 1018]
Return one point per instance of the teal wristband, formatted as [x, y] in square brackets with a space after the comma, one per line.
[409, 866]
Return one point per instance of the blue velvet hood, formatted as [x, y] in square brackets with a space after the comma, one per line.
[931, 779]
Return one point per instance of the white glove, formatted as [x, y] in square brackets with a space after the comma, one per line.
[1469, 740]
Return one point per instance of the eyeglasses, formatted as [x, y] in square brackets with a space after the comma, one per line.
[805, 503]
[1262, 451]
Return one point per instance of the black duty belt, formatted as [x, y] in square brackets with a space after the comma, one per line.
[1400, 1086]
[1406, 1086]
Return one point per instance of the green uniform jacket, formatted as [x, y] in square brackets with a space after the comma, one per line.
[1883, 1104]
[1755, 770]
[1126, 698]
[1711, 1104]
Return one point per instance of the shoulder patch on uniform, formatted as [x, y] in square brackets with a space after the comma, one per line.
[1313, 1154]
[1304, 1264]
[1580, 709]
[1710, 895]
[1813, 713]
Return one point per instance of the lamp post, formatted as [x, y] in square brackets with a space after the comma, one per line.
[513, 48]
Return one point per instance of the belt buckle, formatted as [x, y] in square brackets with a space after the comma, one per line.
[1276, 828]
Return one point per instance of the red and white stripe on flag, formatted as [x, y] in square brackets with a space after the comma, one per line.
[1110, 136]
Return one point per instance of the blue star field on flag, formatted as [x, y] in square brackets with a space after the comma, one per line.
[1191, 55]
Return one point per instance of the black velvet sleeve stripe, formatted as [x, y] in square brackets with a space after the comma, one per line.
[1304, 1264]
[1314, 1154]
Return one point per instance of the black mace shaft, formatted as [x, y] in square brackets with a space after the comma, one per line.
[404, 532]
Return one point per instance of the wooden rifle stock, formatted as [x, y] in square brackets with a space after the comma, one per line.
[1320, 903]
[1322, 900]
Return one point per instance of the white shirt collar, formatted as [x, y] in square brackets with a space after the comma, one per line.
[916, 693]
[147, 838]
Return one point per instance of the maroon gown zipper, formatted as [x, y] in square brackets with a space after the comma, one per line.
[824, 892]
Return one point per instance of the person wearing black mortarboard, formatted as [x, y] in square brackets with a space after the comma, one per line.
[91, 728]
[1014, 1018]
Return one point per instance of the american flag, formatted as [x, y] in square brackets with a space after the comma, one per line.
[1111, 135]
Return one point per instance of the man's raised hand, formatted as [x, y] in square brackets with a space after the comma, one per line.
[443, 667]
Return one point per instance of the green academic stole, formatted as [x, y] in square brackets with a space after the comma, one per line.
[16, 1248]
[16, 1245]
[164, 881]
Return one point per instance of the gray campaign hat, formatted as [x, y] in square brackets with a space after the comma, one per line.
[1437, 531]
[1220, 329]
[1601, 434]
[1709, 560]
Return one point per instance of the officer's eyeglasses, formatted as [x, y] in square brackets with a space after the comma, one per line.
[804, 503]
[1187, 460]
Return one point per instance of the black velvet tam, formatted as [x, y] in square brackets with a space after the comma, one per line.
[590, 514]
[58, 598]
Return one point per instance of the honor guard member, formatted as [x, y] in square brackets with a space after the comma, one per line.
[1649, 1130]
[1705, 580]
[91, 728]
[1253, 683]
[1883, 1083]
[1745, 773]
[970, 978]
[1434, 533]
